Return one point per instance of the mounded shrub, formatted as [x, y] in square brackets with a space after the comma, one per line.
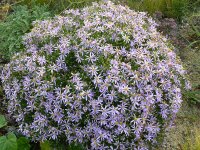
[101, 76]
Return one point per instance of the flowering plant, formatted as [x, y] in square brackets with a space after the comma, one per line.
[101, 76]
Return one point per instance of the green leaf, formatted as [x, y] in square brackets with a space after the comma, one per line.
[45, 145]
[2, 121]
[8, 142]
[75, 146]
[23, 144]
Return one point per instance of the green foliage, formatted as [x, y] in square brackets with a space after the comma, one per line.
[59, 5]
[190, 33]
[193, 97]
[8, 142]
[192, 30]
[147, 5]
[60, 145]
[176, 8]
[170, 8]
[1, 90]
[3, 121]
[23, 143]
[74, 146]
[16, 25]
[194, 5]
[45, 145]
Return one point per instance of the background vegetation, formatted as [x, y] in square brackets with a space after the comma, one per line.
[16, 25]
[177, 19]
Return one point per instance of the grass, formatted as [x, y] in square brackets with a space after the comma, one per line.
[192, 34]
[170, 8]
[184, 135]
[193, 143]
[190, 57]
[57, 6]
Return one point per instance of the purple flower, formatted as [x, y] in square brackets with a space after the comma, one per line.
[41, 60]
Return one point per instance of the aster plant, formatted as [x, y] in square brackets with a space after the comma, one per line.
[101, 76]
